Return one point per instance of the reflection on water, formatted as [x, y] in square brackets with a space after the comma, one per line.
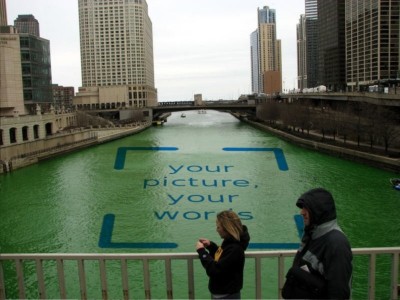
[173, 196]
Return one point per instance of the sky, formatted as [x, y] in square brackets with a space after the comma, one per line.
[200, 46]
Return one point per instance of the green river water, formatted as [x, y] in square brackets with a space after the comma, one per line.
[162, 188]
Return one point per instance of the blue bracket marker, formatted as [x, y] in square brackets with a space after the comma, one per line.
[275, 246]
[109, 219]
[106, 234]
[108, 227]
[121, 154]
[279, 156]
[298, 219]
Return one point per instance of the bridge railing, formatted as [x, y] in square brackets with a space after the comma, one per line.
[18, 265]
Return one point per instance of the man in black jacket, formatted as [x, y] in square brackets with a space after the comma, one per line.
[322, 267]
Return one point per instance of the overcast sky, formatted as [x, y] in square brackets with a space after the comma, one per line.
[200, 46]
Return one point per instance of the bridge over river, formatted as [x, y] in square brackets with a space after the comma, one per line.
[165, 108]
[249, 106]
[385, 99]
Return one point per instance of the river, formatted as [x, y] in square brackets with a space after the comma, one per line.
[161, 190]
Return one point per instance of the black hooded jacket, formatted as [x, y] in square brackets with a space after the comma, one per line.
[325, 249]
[226, 274]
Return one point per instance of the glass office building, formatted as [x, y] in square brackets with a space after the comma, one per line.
[36, 69]
[331, 44]
[311, 12]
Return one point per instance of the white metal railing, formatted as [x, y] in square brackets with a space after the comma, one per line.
[16, 264]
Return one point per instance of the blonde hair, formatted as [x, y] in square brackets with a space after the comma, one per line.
[230, 223]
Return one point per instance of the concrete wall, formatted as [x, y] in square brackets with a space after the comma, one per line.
[20, 155]
[36, 127]
[59, 140]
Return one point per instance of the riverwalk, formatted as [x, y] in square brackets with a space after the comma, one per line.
[22, 155]
[379, 161]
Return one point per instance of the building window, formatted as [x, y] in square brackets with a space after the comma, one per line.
[13, 135]
[36, 131]
[25, 133]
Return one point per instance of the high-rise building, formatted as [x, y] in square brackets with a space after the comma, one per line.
[255, 67]
[35, 62]
[372, 42]
[11, 89]
[36, 69]
[311, 9]
[269, 61]
[301, 53]
[27, 24]
[25, 68]
[331, 44]
[311, 12]
[62, 96]
[117, 63]
[3, 13]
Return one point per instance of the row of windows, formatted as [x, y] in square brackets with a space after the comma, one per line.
[114, 82]
[109, 14]
[105, 75]
[115, 63]
[12, 134]
[109, 77]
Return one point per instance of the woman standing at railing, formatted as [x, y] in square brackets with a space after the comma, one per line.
[224, 264]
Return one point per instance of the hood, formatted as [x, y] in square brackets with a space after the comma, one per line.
[320, 204]
[245, 238]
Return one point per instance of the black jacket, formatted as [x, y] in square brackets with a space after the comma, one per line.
[325, 249]
[226, 274]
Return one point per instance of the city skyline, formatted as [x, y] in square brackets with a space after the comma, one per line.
[211, 55]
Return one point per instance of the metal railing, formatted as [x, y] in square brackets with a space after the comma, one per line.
[18, 265]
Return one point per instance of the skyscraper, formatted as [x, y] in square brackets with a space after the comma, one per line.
[3, 13]
[36, 69]
[372, 42]
[25, 68]
[11, 97]
[311, 10]
[301, 53]
[117, 61]
[331, 44]
[35, 61]
[268, 78]
[27, 24]
[255, 67]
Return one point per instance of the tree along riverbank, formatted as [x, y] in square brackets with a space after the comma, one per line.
[351, 151]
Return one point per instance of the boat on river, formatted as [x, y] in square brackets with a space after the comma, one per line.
[395, 182]
[183, 116]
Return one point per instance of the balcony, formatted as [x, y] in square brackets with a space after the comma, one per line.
[173, 275]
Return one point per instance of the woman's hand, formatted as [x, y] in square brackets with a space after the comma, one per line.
[199, 245]
[205, 242]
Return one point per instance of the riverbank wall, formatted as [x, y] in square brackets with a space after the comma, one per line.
[378, 161]
[18, 156]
